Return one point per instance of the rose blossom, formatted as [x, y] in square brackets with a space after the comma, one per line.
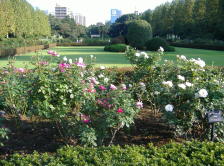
[139, 104]
[181, 77]
[120, 110]
[113, 87]
[123, 87]
[169, 107]
[168, 83]
[203, 93]
[183, 86]
[101, 87]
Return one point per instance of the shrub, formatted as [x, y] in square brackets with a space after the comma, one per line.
[183, 91]
[84, 103]
[118, 40]
[95, 42]
[155, 43]
[116, 48]
[189, 153]
[139, 31]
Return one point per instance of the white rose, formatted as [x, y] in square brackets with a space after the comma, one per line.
[71, 96]
[80, 60]
[182, 57]
[161, 49]
[169, 107]
[156, 93]
[183, 86]
[188, 84]
[137, 54]
[102, 67]
[70, 61]
[65, 59]
[168, 83]
[181, 77]
[203, 93]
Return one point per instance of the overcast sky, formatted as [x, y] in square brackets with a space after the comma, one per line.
[98, 10]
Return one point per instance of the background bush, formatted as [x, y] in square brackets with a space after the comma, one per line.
[189, 153]
[139, 31]
[155, 43]
[116, 48]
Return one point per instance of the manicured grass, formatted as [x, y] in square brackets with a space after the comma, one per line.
[211, 57]
[118, 59]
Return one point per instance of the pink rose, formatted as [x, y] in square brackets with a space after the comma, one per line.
[113, 87]
[120, 110]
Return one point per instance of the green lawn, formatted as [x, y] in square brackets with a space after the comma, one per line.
[118, 59]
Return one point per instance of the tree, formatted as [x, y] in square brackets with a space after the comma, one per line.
[139, 32]
[147, 15]
[119, 28]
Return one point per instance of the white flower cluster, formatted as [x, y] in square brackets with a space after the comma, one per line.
[143, 54]
[198, 62]
[161, 49]
[182, 57]
[168, 83]
[169, 107]
[182, 78]
[202, 93]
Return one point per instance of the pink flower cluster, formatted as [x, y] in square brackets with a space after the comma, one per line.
[91, 89]
[139, 104]
[80, 63]
[53, 53]
[85, 118]
[20, 70]
[101, 87]
[120, 110]
[63, 66]
[113, 87]
[105, 103]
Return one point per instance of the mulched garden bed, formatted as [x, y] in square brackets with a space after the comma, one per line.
[29, 135]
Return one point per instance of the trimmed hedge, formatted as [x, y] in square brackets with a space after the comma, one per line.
[116, 48]
[22, 50]
[198, 46]
[155, 43]
[189, 153]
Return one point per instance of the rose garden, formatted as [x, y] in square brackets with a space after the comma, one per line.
[132, 98]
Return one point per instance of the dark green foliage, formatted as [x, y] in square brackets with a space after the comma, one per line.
[189, 153]
[155, 43]
[200, 44]
[139, 32]
[118, 40]
[120, 27]
[66, 28]
[116, 48]
[188, 19]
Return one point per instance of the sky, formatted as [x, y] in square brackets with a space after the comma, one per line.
[98, 10]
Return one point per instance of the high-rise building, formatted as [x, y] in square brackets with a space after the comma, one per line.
[80, 19]
[61, 12]
[115, 14]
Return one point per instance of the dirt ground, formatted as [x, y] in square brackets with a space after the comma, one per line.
[29, 135]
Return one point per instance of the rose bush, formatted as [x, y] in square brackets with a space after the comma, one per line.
[83, 102]
[184, 91]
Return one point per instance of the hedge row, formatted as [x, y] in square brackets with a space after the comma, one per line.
[199, 46]
[22, 50]
[189, 153]
[116, 48]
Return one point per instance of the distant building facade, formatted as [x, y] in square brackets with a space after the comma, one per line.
[61, 12]
[80, 19]
[115, 14]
